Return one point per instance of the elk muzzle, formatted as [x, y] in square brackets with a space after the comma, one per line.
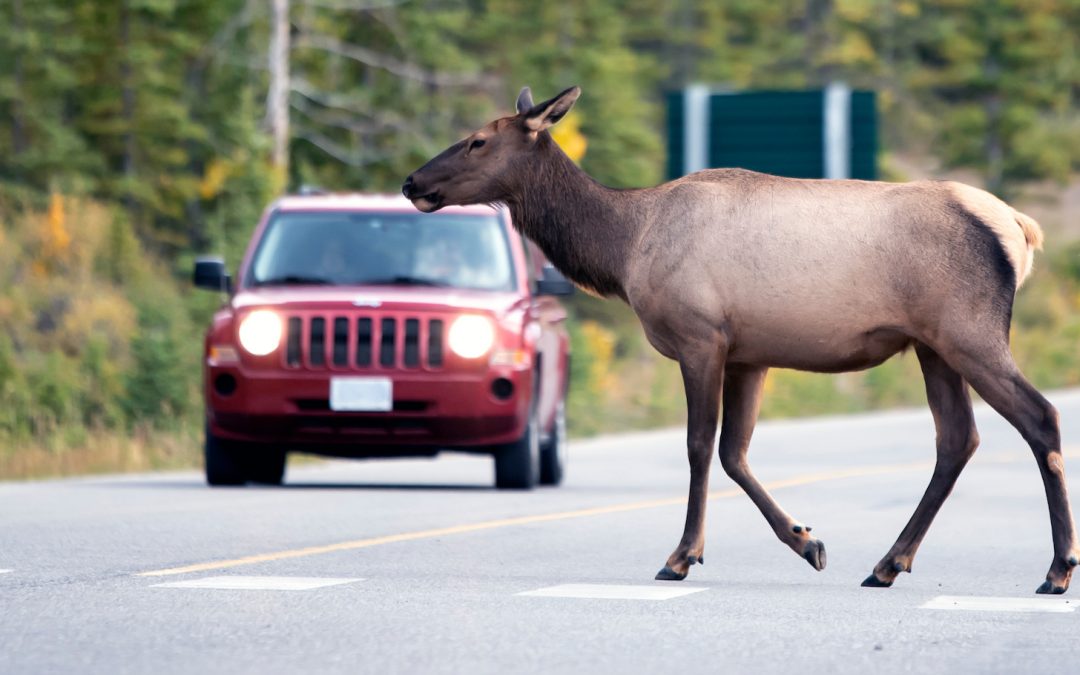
[426, 201]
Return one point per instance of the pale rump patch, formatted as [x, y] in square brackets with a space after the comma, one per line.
[1019, 234]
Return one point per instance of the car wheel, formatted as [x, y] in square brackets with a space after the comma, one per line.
[517, 464]
[224, 460]
[553, 453]
[265, 465]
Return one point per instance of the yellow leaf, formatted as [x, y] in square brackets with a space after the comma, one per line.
[907, 8]
[58, 238]
[855, 11]
[213, 180]
[567, 134]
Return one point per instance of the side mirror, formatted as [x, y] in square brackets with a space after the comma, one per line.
[210, 274]
[553, 283]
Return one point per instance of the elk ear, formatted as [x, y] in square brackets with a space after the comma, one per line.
[524, 101]
[545, 114]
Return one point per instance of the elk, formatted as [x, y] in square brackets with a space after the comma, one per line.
[732, 272]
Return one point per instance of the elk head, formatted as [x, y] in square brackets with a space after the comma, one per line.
[482, 168]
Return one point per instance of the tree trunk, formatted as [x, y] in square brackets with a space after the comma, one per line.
[18, 127]
[993, 106]
[816, 30]
[277, 99]
[127, 108]
[995, 153]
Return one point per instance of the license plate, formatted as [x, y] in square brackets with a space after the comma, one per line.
[361, 394]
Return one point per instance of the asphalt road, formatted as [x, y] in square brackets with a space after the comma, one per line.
[420, 567]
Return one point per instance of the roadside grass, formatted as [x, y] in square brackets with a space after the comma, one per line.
[79, 451]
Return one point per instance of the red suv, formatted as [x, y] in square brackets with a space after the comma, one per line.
[360, 327]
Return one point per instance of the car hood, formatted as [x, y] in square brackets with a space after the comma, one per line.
[389, 298]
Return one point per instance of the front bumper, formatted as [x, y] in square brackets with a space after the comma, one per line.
[432, 411]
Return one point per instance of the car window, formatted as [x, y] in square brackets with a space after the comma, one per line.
[357, 248]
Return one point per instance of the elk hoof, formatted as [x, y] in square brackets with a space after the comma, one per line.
[1049, 588]
[898, 567]
[1073, 562]
[814, 553]
[873, 582]
[693, 560]
[668, 574]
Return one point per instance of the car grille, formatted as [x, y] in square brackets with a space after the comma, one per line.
[364, 342]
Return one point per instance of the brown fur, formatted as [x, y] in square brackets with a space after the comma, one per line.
[733, 272]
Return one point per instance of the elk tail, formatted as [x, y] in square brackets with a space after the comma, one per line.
[1032, 232]
[1033, 235]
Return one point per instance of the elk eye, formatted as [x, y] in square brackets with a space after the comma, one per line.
[478, 143]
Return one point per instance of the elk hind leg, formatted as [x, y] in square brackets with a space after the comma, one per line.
[995, 376]
[957, 438]
[742, 401]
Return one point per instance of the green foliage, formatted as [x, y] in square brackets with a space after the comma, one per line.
[16, 403]
[148, 115]
[133, 105]
[156, 105]
[157, 387]
[1001, 78]
[97, 337]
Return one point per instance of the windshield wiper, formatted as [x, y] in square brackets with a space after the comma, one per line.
[404, 280]
[294, 280]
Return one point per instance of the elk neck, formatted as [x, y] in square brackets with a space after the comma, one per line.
[587, 230]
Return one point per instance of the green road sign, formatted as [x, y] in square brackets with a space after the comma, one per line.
[829, 133]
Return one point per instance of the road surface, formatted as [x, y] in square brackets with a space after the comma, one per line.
[420, 567]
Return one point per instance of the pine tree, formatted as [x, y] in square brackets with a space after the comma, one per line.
[39, 148]
[1005, 80]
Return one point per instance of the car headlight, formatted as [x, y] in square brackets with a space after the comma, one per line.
[471, 336]
[260, 332]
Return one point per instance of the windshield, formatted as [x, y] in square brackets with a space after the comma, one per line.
[406, 249]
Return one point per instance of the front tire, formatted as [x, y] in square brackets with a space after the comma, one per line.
[224, 461]
[553, 453]
[232, 463]
[266, 466]
[517, 464]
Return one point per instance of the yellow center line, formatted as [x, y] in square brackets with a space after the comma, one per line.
[805, 479]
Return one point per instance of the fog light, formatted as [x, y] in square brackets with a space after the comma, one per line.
[502, 388]
[225, 384]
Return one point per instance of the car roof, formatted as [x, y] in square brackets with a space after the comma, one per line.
[362, 202]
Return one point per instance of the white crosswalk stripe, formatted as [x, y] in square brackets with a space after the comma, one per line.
[990, 604]
[614, 592]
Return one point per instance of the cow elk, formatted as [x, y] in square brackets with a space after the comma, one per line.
[733, 272]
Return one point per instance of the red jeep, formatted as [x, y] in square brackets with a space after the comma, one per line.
[360, 327]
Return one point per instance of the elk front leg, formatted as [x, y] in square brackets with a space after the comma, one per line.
[742, 400]
[702, 377]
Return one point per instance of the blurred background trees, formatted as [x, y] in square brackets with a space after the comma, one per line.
[167, 108]
[136, 133]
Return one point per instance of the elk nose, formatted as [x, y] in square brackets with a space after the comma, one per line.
[407, 187]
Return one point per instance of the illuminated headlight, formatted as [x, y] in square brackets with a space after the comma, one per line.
[471, 336]
[260, 332]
